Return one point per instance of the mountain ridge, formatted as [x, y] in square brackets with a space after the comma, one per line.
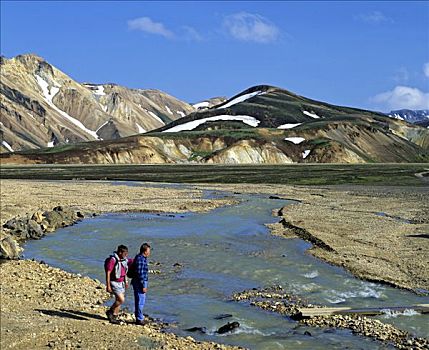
[412, 116]
[42, 106]
[262, 124]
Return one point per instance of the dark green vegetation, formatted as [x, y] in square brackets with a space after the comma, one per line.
[275, 107]
[304, 174]
[328, 134]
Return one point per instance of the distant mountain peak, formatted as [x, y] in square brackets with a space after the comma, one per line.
[30, 59]
[29, 56]
[43, 106]
[409, 115]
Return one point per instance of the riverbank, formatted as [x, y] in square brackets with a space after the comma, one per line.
[24, 196]
[346, 220]
[377, 233]
[275, 299]
[45, 307]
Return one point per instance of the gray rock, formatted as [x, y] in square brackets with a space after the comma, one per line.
[45, 226]
[230, 326]
[38, 217]
[197, 329]
[53, 218]
[17, 227]
[9, 249]
[34, 230]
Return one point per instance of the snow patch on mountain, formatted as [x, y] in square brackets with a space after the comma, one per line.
[411, 116]
[306, 153]
[194, 123]
[168, 110]
[7, 146]
[312, 115]
[241, 99]
[155, 116]
[295, 140]
[140, 129]
[49, 95]
[396, 116]
[288, 126]
[99, 91]
[105, 123]
[204, 104]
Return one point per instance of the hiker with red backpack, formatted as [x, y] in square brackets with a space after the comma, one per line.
[116, 268]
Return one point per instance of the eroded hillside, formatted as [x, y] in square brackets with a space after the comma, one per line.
[42, 107]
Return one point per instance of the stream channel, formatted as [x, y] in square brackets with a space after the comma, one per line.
[223, 251]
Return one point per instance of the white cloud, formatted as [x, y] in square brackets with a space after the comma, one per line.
[145, 24]
[191, 34]
[374, 17]
[402, 97]
[250, 27]
[426, 69]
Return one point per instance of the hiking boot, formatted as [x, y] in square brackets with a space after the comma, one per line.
[109, 314]
[141, 322]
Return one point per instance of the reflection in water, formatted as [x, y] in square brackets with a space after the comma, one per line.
[221, 252]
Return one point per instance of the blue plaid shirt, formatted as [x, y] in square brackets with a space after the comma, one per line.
[142, 270]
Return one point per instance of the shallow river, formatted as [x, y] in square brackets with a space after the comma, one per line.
[221, 252]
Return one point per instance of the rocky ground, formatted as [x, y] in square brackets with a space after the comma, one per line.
[377, 233]
[25, 196]
[277, 300]
[45, 307]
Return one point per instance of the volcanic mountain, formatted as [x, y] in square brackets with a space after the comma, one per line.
[42, 107]
[263, 124]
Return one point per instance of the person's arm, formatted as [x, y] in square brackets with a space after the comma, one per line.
[110, 268]
[140, 272]
[145, 276]
[108, 287]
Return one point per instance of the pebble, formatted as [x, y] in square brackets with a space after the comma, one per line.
[375, 329]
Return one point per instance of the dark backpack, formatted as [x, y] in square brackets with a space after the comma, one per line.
[132, 273]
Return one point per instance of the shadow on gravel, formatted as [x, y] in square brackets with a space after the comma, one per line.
[423, 235]
[76, 315]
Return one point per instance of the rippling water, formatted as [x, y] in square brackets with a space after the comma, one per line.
[224, 251]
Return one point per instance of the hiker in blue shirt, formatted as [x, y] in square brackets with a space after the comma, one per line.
[140, 281]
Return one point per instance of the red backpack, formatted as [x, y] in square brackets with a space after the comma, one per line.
[107, 260]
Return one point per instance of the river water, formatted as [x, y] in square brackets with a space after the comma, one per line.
[221, 252]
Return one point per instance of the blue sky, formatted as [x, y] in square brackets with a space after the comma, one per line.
[364, 54]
